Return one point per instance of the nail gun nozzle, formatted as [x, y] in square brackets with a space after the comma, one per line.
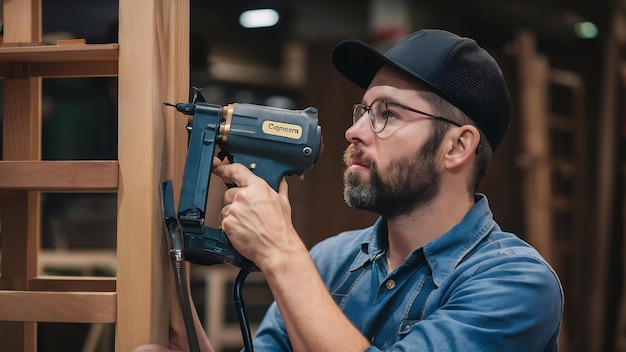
[187, 109]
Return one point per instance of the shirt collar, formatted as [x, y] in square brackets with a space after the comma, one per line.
[373, 246]
[443, 253]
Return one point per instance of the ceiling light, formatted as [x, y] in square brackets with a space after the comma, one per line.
[586, 30]
[258, 18]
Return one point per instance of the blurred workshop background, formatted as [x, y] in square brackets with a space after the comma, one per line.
[557, 180]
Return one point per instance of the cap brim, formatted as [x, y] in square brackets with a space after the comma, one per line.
[358, 62]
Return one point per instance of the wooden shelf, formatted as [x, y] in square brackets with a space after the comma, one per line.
[87, 60]
[76, 307]
[59, 176]
[56, 53]
[152, 68]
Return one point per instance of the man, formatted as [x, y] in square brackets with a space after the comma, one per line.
[435, 272]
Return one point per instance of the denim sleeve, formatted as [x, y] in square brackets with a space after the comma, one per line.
[272, 335]
[503, 305]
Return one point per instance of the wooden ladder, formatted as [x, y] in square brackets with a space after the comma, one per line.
[554, 161]
[151, 63]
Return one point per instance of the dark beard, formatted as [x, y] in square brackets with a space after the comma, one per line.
[411, 182]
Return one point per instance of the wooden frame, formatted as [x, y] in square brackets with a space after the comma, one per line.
[151, 62]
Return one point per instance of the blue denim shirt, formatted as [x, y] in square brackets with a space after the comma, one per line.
[475, 288]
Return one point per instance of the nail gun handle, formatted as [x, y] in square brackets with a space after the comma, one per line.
[269, 170]
[213, 247]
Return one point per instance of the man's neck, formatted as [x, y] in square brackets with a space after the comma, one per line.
[408, 232]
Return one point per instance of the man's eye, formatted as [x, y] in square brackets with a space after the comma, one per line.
[387, 114]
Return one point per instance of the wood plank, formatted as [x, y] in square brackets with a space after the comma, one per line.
[143, 285]
[605, 182]
[21, 141]
[59, 53]
[22, 21]
[77, 41]
[175, 25]
[71, 307]
[20, 221]
[59, 175]
[534, 74]
[73, 284]
[65, 69]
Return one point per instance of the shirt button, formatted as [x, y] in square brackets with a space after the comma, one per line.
[390, 284]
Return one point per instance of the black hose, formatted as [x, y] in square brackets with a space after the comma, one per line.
[174, 238]
[185, 305]
[241, 311]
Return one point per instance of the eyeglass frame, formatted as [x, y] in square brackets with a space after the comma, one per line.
[368, 109]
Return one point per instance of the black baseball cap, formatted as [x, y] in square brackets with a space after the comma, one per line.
[456, 68]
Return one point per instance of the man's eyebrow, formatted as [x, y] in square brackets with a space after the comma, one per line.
[386, 98]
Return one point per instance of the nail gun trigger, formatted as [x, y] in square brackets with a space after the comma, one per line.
[222, 154]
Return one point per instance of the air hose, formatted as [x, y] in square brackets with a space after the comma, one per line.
[176, 255]
[175, 244]
[241, 310]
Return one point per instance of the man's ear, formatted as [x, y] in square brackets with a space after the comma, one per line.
[464, 144]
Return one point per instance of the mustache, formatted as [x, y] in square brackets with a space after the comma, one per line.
[353, 152]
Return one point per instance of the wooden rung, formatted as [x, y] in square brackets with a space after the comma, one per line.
[86, 60]
[59, 307]
[73, 284]
[60, 176]
[79, 41]
[67, 53]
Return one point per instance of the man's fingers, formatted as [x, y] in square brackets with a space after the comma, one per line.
[283, 189]
[217, 161]
[235, 174]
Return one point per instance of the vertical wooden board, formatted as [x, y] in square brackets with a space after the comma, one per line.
[534, 74]
[18, 336]
[22, 21]
[21, 123]
[20, 220]
[605, 182]
[173, 31]
[176, 26]
[141, 285]
[21, 141]
[19, 263]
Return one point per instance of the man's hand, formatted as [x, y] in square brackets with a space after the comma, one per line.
[257, 219]
[178, 341]
[176, 345]
[153, 348]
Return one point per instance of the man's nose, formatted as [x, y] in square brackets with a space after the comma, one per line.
[359, 130]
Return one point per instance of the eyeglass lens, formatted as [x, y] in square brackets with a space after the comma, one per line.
[377, 114]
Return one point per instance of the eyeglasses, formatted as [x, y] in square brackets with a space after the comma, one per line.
[379, 114]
